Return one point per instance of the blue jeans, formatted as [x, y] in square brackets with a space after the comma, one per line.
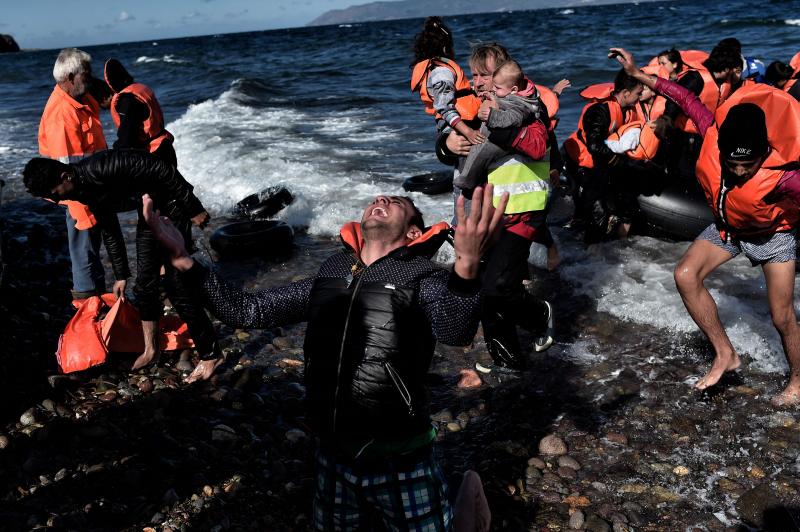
[88, 277]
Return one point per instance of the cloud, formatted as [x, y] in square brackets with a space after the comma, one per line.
[124, 16]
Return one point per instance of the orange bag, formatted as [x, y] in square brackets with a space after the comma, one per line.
[87, 339]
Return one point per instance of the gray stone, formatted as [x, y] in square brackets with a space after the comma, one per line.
[28, 417]
[576, 520]
[568, 461]
[223, 433]
[3, 441]
[295, 435]
[552, 445]
[596, 524]
[537, 463]
[760, 506]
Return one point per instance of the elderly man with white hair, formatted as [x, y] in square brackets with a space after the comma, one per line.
[69, 131]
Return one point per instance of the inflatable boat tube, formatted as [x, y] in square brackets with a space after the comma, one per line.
[254, 238]
[265, 204]
[679, 211]
[432, 183]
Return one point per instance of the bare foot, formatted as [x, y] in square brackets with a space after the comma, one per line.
[718, 369]
[787, 398]
[553, 258]
[145, 359]
[469, 379]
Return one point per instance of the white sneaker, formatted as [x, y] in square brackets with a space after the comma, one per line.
[544, 342]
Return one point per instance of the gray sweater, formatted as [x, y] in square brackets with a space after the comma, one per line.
[512, 111]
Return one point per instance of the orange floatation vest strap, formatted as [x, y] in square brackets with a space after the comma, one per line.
[745, 209]
[710, 96]
[467, 102]
[549, 99]
[353, 238]
[575, 146]
[648, 142]
[153, 126]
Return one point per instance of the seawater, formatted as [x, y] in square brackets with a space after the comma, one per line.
[327, 112]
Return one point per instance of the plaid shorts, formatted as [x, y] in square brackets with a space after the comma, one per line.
[779, 247]
[404, 497]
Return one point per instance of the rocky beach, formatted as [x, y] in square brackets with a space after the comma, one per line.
[605, 437]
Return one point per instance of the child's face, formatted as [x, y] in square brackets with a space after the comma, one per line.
[503, 88]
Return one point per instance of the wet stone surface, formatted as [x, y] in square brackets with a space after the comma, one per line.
[629, 445]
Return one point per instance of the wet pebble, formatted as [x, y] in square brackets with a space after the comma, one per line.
[537, 463]
[223, 433]
[145, 385]
[568, 473]
[442, 416]
[681, 471]
[576, 520]
[552, 445]
[618, 438]
[595, 524]
[3, 441]
[618, 526]
[282, 342]
[550, 497]
[49, 405]
[295, 435]
[532, 472]
[28, 417]
[453, 426]
[568, 461]
[208, 491]
[109, 396]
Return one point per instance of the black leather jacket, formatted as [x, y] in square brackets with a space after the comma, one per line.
[370, 338]
[115, 180]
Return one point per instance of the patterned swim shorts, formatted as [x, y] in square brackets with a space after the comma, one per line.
[403, 496]
[779, 247]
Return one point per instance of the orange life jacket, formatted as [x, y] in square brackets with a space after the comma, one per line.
[795, 63]
[88, 338]
[598, 92]
[575, 145]
[352, 237]
[70, 131]
[710, 96]
[648, 142]
[550, 101]
[743, 209]
[467, 102]
[153, 127]
[652, 111]
[692, 59]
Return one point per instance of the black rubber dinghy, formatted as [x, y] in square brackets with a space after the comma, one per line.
[678, 211]
[431, 183]
[258, 238]
[265, 204]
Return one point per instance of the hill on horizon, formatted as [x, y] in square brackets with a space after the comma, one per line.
[400, 9]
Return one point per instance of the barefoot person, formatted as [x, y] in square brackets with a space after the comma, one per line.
[112, 181]
[743, 171]
[374, 313]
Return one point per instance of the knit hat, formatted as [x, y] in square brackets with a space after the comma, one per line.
[743, 134]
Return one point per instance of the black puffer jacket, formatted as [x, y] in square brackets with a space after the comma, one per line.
[115, 180]
[370, 337]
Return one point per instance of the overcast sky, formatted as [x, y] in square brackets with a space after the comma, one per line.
[64, 23]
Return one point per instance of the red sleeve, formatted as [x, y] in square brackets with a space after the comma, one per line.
[789, 186]
[532, 141]
[689, 103]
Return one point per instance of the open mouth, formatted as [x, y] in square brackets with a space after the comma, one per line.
[379, 211]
